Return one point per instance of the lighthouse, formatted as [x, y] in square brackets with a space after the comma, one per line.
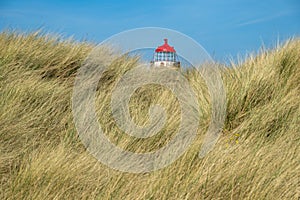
[165, 56]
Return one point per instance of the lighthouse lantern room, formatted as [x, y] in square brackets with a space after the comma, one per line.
[165, 56]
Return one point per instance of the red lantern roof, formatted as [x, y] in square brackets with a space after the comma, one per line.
[165, 47]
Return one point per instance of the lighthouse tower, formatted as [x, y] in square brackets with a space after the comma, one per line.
[165, 56]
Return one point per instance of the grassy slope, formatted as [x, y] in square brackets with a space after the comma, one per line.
[257, 156]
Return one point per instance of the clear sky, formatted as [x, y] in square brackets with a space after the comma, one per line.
[223, 28]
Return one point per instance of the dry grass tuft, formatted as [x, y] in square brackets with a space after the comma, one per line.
[257, 156]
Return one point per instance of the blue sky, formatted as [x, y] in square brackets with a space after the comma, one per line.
[223, 28]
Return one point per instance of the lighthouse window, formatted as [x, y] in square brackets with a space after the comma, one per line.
[165, 56]
[160, 56]
[156, 57]
[170, 56]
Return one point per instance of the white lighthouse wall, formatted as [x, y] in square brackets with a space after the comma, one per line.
[163, 64]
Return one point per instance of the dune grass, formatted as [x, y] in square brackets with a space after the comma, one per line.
[257, 156]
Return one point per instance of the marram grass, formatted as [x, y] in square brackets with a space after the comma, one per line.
[256, 157]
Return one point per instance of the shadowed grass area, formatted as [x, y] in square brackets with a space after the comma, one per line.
[257, 156]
